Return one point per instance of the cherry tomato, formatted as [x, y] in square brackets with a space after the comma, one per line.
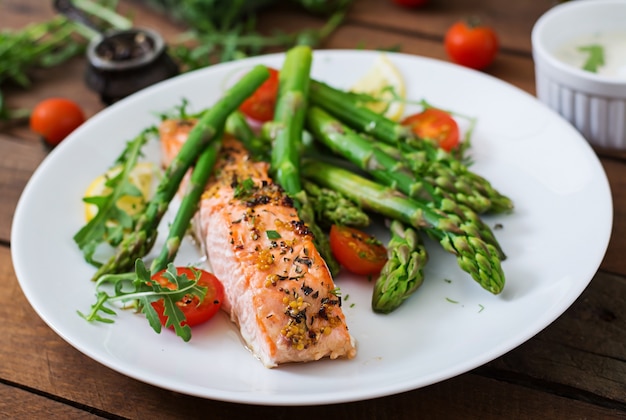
[473, 46]
[411, 3]
[196, 312]
[55, 118]
[435, 124]
[359, 252]
[260, 105]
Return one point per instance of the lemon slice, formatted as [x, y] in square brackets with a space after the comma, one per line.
[383, 81]
[143, 176]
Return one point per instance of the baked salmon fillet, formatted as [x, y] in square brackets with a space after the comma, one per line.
[279, 290]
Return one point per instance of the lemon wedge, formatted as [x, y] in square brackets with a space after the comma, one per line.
[143, 176]
[384, 82]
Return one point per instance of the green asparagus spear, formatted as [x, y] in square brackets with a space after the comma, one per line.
[202, 170]
[345, 106]
[474, 255]
[287, 129]
[139, 242]
[332, 207]
[391, 171]
[443, 167]
[238, 127]
[403, 273]
[288, 123]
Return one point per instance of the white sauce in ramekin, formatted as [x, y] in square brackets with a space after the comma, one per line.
[613, 44]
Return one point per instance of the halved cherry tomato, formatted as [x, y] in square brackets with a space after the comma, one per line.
[55, 118]
[471, 45]
[435, 124]
[196, 312]
[357, 251]
[260, 105]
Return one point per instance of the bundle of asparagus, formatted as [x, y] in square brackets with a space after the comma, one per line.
[408, 180]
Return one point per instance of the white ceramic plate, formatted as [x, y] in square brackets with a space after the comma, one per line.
[450, 326]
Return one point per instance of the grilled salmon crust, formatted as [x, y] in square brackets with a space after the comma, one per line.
[279, 290]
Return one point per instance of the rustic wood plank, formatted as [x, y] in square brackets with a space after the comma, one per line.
[18, 160]
[585, 349]
[16, 403]
[614, 260]
[512, 21]
[515, 69]
[17, 14]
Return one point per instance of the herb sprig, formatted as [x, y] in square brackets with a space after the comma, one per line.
[47, 44]
[142, 290]
[100, 230]
[595, 57]
[226, 30]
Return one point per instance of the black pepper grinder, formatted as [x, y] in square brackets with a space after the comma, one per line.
[121, 62]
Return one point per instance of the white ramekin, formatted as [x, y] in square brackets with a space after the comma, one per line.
[594, 104]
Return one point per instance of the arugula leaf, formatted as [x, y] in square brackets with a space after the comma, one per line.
[595, 58]
[138, 287]
[99, 229]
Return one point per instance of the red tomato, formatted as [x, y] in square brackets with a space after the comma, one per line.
[260, 105]
[435, 124]
[357, 251]
[55, 118]
[473, 46]
[196, 312]
[411, 3]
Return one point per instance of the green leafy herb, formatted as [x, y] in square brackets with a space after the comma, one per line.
[244, 188]
[226, 30]
[595, 57]
[48, 44]
[272, 234]
[36, 46]
[100, 230]
[140, 289]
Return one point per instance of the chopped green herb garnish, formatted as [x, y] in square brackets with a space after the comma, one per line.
[451, 301]
[244, 188]
[272, 234]
[595, 58]
[481, 308]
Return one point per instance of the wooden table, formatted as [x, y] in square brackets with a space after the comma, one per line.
[575, 368]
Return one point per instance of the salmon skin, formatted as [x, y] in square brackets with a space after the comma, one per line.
[279, 290]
